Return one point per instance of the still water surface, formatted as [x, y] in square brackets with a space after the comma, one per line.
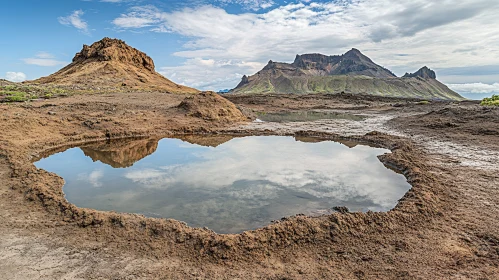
[306, 116]
[226, 184]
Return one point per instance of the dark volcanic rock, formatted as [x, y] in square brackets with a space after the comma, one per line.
[244, 81]
[351, 63]
[425, 73]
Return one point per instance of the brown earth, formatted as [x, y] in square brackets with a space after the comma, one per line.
[445, 227]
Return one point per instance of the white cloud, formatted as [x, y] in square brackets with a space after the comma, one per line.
[76, 21]
[45, 55]
[467, 32]
[477, 88]
[15, 76]
[43, 59]
[214, 74]
[250, 4]
[117, 1]
[140, 17]
[94, 178]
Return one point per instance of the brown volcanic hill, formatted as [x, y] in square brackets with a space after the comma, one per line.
[113, 63]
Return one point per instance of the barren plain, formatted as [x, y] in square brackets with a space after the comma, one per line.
[445, 227]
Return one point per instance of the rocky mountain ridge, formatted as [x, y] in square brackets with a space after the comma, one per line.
[352, 72]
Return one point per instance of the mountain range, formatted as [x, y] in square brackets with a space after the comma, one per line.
[352, 72]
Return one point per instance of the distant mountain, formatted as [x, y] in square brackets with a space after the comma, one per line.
[352, 72]
[112, 63]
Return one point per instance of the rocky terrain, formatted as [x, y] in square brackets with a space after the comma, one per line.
[445, 227]
[111, 63]
[352, 72]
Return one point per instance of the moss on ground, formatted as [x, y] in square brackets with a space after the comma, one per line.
[22, 92]
[491, 101]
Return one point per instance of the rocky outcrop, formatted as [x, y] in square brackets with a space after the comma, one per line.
[351, 63]
[109, 49]
[114, 65]
[425, 73]
[244, 81]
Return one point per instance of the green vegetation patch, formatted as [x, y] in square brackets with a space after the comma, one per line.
[423, 102]
[23, 92]
[16, 96]
[491, 101]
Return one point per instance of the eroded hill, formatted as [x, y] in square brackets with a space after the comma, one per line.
[111, 63]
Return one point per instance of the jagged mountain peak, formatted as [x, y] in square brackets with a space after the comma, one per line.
[424, 72]
[352, 62]
[354, 52]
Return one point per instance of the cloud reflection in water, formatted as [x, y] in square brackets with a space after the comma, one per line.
[239, 185]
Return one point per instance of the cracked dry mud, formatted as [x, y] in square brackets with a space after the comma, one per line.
[445, 227]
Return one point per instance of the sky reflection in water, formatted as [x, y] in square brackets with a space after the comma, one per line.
[241, 184]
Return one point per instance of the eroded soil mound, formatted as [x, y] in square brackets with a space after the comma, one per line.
[112, 63]
[211, 107]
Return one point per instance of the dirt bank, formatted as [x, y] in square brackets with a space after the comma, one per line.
[445, 227]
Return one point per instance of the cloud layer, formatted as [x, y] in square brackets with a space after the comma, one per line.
[15, 76]
[400, 35]
[477, 88]
[43, 59]
[250, 4]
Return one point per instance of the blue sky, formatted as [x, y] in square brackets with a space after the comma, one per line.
[210, 44]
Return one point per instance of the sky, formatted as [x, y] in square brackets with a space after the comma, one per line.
[211, 44]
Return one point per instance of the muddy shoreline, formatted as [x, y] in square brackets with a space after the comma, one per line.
[444, 227]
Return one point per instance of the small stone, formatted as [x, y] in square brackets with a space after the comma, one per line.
[52, 113]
